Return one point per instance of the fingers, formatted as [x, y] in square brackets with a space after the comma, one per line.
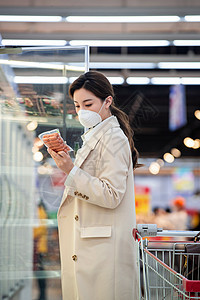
[62, 160]
[52, 153]
[57, 155]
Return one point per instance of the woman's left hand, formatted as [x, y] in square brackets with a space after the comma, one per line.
[62, 160]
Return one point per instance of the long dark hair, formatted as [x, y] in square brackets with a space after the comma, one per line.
[100, 86]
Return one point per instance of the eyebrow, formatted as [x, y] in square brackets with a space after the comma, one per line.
[83, 100]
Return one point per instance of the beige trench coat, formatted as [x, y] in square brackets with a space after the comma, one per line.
[96, 218]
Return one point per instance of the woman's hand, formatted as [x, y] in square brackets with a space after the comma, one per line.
[62, 160]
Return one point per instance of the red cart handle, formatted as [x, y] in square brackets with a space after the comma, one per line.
[134, 232]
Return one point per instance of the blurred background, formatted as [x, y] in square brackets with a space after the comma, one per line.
[150, 53]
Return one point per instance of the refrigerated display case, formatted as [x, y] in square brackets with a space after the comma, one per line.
[33, 98]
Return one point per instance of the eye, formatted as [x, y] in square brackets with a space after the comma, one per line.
[77, 106]
[88, 105]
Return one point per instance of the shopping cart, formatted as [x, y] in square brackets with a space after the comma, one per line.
[161, 257]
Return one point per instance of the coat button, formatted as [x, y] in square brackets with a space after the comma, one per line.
[74, 257]
[76, 217]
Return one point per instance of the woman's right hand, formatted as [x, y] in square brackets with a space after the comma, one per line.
[62, 160]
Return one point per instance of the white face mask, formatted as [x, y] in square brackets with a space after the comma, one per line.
[89, 118]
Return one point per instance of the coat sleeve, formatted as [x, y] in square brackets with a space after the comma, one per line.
[107, 189]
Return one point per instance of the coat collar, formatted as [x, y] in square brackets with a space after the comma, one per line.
[94, 136]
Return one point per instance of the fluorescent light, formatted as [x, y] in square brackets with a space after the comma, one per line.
[71, 79]
[190, 80]
[166, 80]
[14, 18]
[74, 68]
[116, 80]
[12, 42]
[40, 80]
[192, 18]
[138, 80]
[186, 42]
[121, 43]
[30, 64]
[122, 19]
[179, 65]
[113, 80]
[121, 65]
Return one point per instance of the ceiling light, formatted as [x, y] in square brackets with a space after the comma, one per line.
[71, 79]
[138, 80]
[175, 152]
[197, 114]
[74, 68]
[14, 42]
[40, 80]
[154, 168]
[122, 19]
[113, 80]
[188, 142]
[38, 156]
[121, 65]
[179, 65]
[186, 42]
[192, 18]
[196, 144]
[166, 80]
[31, 64]
[120, 43]
[190, 80]
[14, 18]
[116, 80]
[168, 157]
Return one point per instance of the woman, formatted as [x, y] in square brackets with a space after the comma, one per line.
[97, 212]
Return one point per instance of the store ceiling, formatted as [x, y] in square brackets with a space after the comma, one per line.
[151, 102]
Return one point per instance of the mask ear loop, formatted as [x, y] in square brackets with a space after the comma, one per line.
[102, 106]
[110, 104]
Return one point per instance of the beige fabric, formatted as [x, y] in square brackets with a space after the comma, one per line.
[96, 218]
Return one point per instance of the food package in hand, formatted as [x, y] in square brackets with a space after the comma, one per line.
[53, 140]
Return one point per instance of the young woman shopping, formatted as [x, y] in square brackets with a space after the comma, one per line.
[97, 212]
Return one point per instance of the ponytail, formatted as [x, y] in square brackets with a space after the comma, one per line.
[125, 126]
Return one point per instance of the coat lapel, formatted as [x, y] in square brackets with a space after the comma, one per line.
[89, 144]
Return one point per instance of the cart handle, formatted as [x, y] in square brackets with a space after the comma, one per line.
[145, 230]
[135, 234]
